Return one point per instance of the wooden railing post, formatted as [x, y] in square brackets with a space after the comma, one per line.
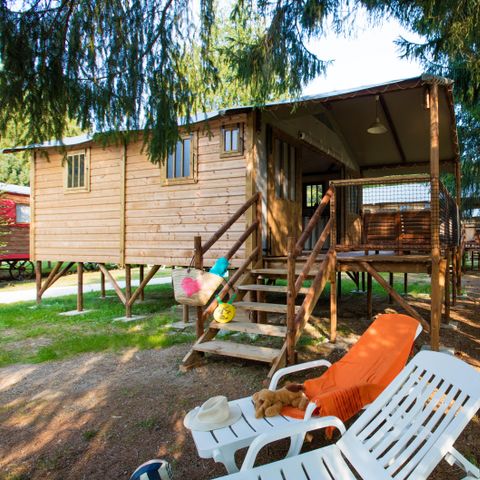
[291, 296]
[333, 218]
[198, 263]
[333, 302]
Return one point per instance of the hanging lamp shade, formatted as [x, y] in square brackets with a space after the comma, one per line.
[377, 127]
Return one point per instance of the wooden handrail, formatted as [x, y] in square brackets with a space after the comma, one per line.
[313, 221]
[230, 283]
[241, 240]
[313, 256]
[218, 234]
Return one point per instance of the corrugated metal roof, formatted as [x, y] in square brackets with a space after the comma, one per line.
[8, 187]
[201, 117]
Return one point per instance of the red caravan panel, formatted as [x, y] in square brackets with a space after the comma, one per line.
[14, 239]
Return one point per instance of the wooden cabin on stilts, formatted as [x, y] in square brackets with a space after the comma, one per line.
[347, 182]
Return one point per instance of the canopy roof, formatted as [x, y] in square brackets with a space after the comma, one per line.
[404, 148]
[10, 188]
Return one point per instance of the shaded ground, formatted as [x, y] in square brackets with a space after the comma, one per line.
[98, 416]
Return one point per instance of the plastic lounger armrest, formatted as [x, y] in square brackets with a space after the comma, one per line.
[296, 368]
[288, 431]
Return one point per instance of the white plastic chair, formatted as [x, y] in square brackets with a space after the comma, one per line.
[221, 444]
[403, 434]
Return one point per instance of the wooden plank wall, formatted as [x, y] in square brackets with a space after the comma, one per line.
[14, 239]
[79, 226]
[161, 221]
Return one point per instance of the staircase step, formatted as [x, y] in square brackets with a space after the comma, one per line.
[269, 288]
[238, 350]
[250, 327]
[264, 307]
[281, 272]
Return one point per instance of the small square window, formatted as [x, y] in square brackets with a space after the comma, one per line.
[22, 213]
[76, 172]
[231, 140]
[180, 166]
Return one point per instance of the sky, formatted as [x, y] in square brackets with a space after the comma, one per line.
[367, 57]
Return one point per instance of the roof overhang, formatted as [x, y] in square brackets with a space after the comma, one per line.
[404, 148]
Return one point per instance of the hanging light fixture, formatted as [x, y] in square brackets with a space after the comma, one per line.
[377, 127]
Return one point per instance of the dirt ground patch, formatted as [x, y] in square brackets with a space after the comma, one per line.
[99, 416]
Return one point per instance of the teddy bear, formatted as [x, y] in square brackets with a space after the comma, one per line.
[269, 403]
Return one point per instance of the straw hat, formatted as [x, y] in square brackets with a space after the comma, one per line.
[214, 413]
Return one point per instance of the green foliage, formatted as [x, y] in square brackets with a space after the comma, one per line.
[140, 65]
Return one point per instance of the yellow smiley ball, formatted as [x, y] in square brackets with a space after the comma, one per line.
[224, 313]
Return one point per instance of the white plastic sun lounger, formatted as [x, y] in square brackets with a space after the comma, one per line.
[221, 444]
[403, 434]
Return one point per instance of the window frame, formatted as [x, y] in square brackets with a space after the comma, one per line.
[192, 178]
[240, 146]
[312, 184]
[86, 175]
[22, 224]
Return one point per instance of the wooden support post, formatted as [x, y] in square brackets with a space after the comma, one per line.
[398, 298]
[141, 275]
[333, 305]
[363, 281]
[38, 280]
[261, 298]
[185, 317]
[291, 296]
[454, 275]
[390, 282]
[198, 263]
[436, 290]
[446, 317]
[405, 283]
[80, 287]
[114, 283]
[339, 284]
[143, 284]
[102, 285]
[128, 290]
[369, 297]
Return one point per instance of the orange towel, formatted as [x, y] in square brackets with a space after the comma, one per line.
[365, 370]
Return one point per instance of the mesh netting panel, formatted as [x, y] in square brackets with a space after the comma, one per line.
[392, 215]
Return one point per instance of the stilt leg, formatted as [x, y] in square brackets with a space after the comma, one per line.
[38, 280]
[369, 297]
[102, 285]
[80, 287]
[141, 276]
[333, 308]
[128, 290]
[405, 283]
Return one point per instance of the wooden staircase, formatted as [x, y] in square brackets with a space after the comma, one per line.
[275, 313]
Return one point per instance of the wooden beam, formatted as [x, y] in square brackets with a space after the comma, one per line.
[80, 287]
[61, 273]
[446, 318]
[369, 297]
[313, 221]
[141, 276]
[143, 284]
[49, 280]
[424, 164]
[198, 263]
[38, 280]
[291, 297]
[384, 180]
[333, 304]
[113, 282]
[436, 294]
[128, 290]
[390, 281]
[401, 301]
[392, 128]
[102, 285]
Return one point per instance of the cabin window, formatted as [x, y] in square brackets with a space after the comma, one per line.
[313, 195]
[22, 213]
[77, 171]
[231, 140]
[180, 166]
[285, 168]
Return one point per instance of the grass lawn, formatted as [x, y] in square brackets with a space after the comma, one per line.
[30, 333]
[39, 334]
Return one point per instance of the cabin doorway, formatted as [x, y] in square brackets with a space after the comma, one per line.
[284, 218]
